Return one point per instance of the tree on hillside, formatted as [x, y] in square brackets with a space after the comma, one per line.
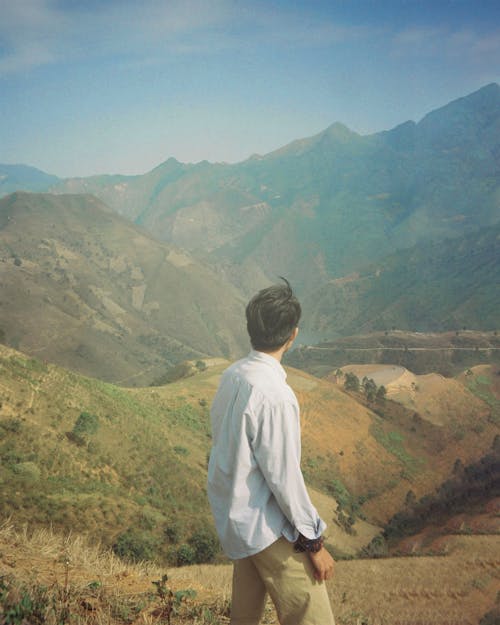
[370, 389]
[351, 382]
[381, 393]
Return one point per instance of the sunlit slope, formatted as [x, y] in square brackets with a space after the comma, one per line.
[86, 289]
[85, 455]
[441, 401]
[380, 451]
[133, 462]
[370, 456]
[138, 459]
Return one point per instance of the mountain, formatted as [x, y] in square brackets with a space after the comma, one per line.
[430, 287]
[87, 289]
[24, 178]
[389, 229]
[325, 206]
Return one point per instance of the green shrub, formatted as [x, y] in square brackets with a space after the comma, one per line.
[11, 425]
[134, 545]
[185, 554]
[181, 451]
[205, 544]
[86, 425]
[340, 493]
[172, 532]
[28, 470]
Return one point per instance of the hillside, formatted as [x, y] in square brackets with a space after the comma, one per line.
[466, 503]
[325, 206]
[131, 463]
[85, 288]
[431, 287]
[125, 466]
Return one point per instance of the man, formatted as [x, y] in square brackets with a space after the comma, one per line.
[263, 514]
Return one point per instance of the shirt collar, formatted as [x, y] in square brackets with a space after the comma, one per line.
[270, 360]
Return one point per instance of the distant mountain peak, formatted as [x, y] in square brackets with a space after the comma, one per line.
[490, 88]
[24, 177]
[338, 130]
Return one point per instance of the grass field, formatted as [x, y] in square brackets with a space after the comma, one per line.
[65, 579]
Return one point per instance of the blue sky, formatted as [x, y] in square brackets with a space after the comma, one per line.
[120, 86]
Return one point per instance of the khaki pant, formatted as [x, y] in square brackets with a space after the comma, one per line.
[288, 578]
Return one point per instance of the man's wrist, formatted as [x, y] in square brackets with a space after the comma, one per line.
[311, 545]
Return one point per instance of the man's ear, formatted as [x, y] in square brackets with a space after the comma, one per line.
[292, 338]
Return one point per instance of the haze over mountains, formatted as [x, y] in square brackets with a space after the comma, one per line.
[396, 229]
[322, 207]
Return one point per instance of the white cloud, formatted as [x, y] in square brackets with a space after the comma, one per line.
[469, 44]
[36, 32]
[29, 30]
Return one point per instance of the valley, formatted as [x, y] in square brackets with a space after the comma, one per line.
[122, 301]
[447, 353]
[132, 480]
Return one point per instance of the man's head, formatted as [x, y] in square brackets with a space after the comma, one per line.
[272, 317]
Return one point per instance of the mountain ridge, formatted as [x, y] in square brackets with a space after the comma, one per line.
[325, 207]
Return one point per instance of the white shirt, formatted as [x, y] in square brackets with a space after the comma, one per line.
[255, 484]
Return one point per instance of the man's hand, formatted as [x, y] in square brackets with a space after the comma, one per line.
[323, 564]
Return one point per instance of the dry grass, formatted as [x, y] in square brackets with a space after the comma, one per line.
[85, 585]
[76, 581]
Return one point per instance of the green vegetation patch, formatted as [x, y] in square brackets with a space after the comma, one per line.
[188, 416]
[480, 387]
[25, 368]
[393, 442]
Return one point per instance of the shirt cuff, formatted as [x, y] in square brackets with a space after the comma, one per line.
[311, 532]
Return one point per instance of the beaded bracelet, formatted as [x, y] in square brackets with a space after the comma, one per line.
[306, 544]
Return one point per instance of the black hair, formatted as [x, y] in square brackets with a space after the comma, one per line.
[272, 316]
